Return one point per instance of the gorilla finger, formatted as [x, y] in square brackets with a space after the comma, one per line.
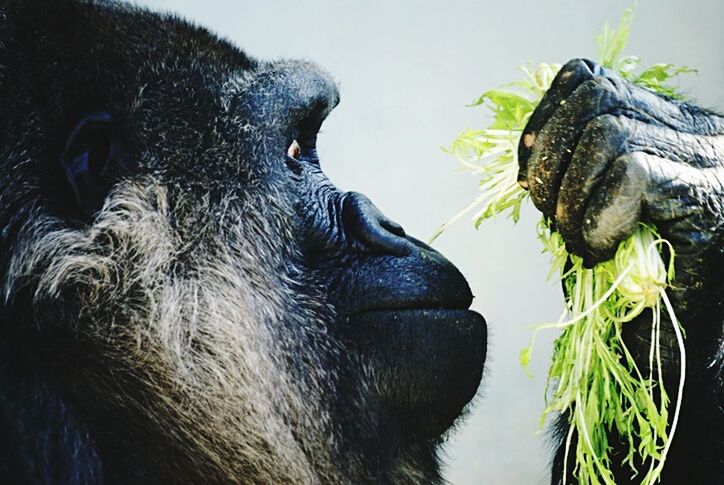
[603, 141]
[554, 145]
[648, 106]
[656, 109]
[607, 138]
[697, 151]
[615, 207]
[557, 140]
[643, 187]
[571, 75]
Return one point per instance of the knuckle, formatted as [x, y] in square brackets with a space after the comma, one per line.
[580, 64]
[575, 68]
[590, 89]
[599, 235]
[603, 84]
[572, 65]
[599, 95]
[565, 218]
[605, 123]
[607, 131]
[635, 165]
[539, 192]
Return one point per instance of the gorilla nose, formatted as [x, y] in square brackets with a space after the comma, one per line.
[366, 225]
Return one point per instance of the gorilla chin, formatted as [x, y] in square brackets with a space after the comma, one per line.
[187, 298]
[430, 363]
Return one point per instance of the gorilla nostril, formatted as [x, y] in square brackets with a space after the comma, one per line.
[364, 223]
[393, 227]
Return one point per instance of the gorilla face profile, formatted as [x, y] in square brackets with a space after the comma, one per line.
[186, 296]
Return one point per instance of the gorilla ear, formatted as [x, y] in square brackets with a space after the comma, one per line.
[86, 155]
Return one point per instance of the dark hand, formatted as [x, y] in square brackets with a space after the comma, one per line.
[601, 154]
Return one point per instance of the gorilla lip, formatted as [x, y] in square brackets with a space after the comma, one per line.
[460, 303]
[423, 280]
[410, 308]
[455, 301]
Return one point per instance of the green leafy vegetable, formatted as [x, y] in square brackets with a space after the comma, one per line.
[611, 44]
[593, 377]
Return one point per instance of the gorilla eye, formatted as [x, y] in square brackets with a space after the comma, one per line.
[305, 143]
[84, 159]
[294, 150]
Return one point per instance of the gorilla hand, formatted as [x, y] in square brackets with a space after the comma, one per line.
[601, 154]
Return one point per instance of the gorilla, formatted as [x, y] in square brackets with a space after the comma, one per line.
[186, 298]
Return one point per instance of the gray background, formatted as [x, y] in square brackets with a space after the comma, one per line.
[406, 70]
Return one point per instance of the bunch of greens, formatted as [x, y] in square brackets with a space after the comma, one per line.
[593, 377]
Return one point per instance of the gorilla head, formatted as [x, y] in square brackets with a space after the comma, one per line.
[186, 296]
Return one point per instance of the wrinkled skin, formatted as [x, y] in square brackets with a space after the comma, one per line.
[186, 297]
[599, 155]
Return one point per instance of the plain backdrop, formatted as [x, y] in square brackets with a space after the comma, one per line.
[407, 69]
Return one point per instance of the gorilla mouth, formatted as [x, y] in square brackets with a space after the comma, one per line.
[409, 317]
[425, 348]
[419, 308]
